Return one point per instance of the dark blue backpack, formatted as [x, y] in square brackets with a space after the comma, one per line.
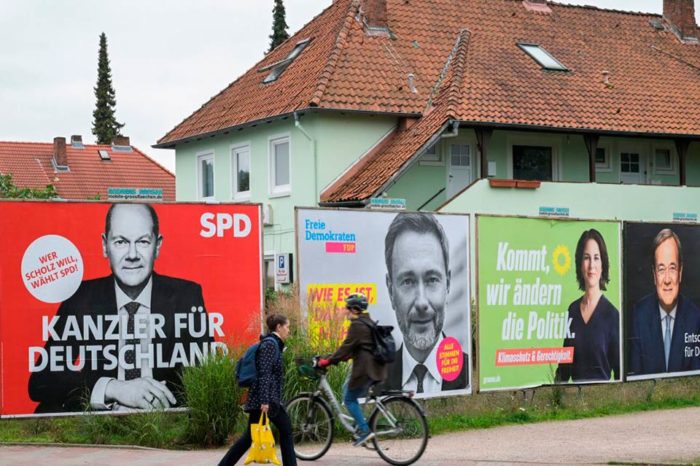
[246, 367]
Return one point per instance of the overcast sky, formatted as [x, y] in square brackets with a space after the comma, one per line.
[168, 57]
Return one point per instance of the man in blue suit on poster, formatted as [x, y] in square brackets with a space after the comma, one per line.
[665, 324]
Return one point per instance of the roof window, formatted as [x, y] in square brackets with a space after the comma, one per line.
[278, 68]
[104, 155]
[544, 58]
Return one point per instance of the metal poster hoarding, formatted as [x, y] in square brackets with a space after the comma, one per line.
[102, 305]
[414, 270]
[662, 300]
[549, 301]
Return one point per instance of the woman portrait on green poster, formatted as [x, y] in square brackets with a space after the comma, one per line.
[595, 322]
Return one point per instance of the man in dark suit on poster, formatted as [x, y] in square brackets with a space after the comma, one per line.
[124, 337]
[418, 279]
[665, 324]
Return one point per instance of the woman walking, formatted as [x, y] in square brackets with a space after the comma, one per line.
[265, 395]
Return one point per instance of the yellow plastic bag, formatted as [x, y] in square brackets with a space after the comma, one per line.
[262, 450]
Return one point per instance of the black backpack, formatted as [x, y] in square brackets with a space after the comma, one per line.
[383, 348]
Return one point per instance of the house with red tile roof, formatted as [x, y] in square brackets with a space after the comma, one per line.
[80, 171]
[482, 106]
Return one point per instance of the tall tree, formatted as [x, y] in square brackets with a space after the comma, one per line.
[104, 123]
[279, 25]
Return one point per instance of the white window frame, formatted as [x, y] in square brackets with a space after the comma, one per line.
[541, 56]
[202, 156]
[605, 167]
[672, 153]
[269, 256]
[432, 158]
[284, 189]
[236, 149]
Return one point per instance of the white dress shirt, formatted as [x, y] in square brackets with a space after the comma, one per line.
[432, 382]
[142, 324]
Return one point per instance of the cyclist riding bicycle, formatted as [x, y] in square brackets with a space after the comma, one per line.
[366, 371]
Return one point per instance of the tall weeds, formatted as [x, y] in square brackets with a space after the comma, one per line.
[317, 332]
[214, 399]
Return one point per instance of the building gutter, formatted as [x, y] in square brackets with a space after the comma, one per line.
[509, 126]
[297, 125]
[358, 203]
[554, 129]
[453, 133]
[270, 119]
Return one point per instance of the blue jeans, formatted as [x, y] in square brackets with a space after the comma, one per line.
[350, 397]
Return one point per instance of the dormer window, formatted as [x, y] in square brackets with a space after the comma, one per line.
[276, 69]
[544, 58]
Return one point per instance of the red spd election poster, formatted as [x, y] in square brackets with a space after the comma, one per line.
[102, 305]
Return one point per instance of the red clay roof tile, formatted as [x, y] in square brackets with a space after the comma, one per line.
[653, 79]
[344, 68]
[30, 164]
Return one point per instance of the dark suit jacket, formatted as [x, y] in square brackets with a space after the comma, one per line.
[396, 376]
[70, 390]
[647, 343]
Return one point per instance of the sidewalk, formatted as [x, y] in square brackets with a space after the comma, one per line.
[668, 436]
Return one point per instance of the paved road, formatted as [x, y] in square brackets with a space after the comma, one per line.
[669, 436]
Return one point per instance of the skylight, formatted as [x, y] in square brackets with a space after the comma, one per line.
[279, 67]
[104, 155]
[544, 58]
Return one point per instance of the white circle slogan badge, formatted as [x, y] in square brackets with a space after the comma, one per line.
[52, 269]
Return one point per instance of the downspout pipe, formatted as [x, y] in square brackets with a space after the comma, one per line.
[297, 125]
[454, 131]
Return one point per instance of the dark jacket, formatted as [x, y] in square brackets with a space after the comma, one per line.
[358, 346]
[67, 390]
[267, 389]
[596, 344]
[647, 343]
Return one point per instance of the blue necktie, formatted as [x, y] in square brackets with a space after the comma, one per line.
[667, 338]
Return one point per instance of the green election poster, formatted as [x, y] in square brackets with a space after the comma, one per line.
[549, 300]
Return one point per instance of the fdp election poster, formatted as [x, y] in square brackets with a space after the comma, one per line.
[549, 302]
[102, 305]
[413, 268]
[662, 300]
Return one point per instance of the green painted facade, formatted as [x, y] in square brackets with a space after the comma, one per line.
[321, 149]
[425, 180]
[324, 145]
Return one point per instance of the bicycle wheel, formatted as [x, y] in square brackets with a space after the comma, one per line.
[312, 427]
[401, 431]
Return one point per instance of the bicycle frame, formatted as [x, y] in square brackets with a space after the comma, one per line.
[395, 417]
[325, 392]
[324, 388]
